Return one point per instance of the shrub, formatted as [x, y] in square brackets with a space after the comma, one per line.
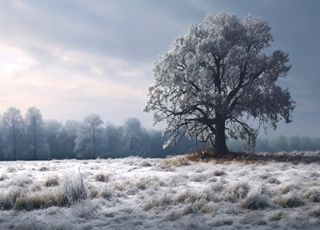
[289, 201]
[256, 202]
[51, 182]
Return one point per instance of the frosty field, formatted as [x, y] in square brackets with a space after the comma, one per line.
[172, 193]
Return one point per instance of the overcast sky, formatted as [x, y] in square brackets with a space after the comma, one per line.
[72, 58]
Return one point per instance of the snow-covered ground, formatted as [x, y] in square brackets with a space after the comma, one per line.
[173, 193]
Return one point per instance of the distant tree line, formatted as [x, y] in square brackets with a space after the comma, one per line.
[30, 137]
[280, 143]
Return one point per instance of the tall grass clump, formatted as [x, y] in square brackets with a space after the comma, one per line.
[73, 189]
[8, 198]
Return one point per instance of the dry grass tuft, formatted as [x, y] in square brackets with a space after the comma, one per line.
[200, 155]
[43, 168]
[289, 188]
[3, 177]
[256, 202]
[315, 212]
[39, 201]
[9, 197]
[289, 201]
[236, 192]
[102, 178]
[176, 162]
[222, 222]
[85, 210]
[165, 200]
[276, 216]
[313, 196]
[11, 170]
[106, 194]
[273, 180]
[219, 173]
[74, 189]
[51, 182]
[93, 193]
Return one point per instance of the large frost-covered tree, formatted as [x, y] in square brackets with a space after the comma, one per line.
[217, 78]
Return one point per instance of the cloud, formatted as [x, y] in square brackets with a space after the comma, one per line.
[71, 58]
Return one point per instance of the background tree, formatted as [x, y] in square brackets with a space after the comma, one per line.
[13, 132]
[36, 135]
[57, 140]
[134, 135]
[113, 140]
[89, 140]
[72, 129]
[216, 77]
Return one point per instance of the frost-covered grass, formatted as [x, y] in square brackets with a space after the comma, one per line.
[173, 193]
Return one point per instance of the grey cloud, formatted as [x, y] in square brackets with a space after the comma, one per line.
[137, 32]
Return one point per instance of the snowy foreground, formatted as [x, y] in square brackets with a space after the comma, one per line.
[173, 193]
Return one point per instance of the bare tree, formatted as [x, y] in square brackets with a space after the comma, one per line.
[72, 128]
[217, 77]
[12, 126]
[89, 138]
[36, 136]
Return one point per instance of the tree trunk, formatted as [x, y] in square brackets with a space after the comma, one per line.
[221, 148]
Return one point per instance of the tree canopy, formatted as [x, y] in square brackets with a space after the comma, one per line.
[216, 77]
